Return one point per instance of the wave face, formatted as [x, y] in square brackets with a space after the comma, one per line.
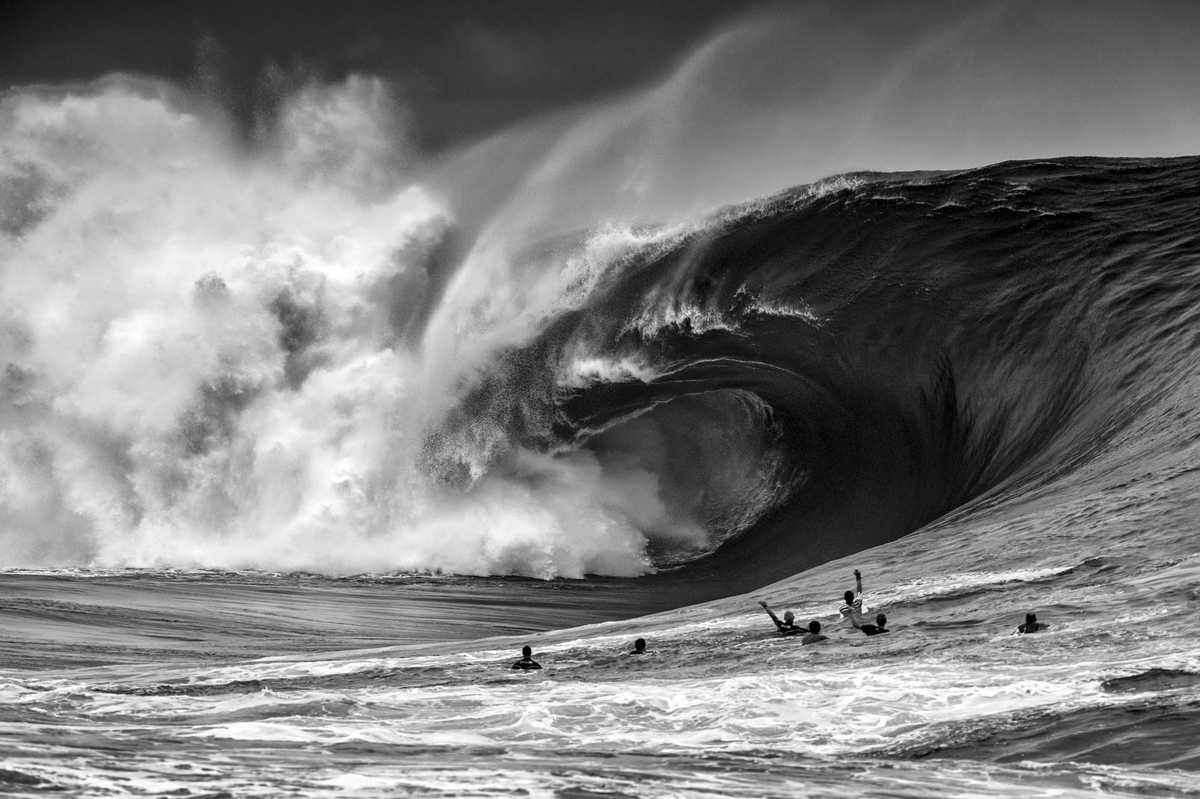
[837, 366]
[276, 358]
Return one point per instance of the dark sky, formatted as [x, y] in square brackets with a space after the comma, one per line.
[464, 66]
[665, 107]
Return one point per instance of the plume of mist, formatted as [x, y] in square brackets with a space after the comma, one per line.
[226, 354]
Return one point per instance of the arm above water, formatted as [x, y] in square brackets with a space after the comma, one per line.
[771, 613]
[854, 609]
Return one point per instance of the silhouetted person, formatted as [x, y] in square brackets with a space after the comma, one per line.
[880, 626]
[526, 662]
[814, 633]
[786, 627]
[639, 647]
[1031, 625]
[852, 608]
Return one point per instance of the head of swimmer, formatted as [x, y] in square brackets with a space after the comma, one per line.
[814, 626]
[849, 597]
[789, 617]
[527, 652]
[881, 621]
[639, 646]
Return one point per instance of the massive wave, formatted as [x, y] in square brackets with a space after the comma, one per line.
[841, 364]
[313, 351]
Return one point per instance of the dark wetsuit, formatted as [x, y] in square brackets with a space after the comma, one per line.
[1031, 628]
[873, 629]
[526, 664]
[786, 627]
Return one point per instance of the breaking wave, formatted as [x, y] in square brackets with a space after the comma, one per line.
[307, 351]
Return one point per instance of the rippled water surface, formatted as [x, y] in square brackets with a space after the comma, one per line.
[977, 387]
[952, 702]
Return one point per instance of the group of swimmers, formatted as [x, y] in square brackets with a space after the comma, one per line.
[851, 610]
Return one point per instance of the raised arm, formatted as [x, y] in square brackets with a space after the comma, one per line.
[858, 582]
[771, 613]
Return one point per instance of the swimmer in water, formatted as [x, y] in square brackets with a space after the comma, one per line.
[851, 609]
[1031, 625]
[526, 663]
[786, 627]
[814, 633]
[880, 626]
[639, 647]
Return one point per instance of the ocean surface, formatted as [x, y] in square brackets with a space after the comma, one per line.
[270, 535]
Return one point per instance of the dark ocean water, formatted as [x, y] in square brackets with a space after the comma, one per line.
[979, 387]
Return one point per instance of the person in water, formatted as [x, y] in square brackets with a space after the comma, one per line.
[814, 633]
[786, 627]
[526, 663]
[851, 609]
[639, 647]
[1031, 625]
[880, 626]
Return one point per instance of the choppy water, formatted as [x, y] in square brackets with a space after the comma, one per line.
[233, 380]
[952, 702]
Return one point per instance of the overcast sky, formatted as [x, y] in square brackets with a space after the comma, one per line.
[463, 66]
[665, 107]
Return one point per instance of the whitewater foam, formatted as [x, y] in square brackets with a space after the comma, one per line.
[216, 363]
[583, 371]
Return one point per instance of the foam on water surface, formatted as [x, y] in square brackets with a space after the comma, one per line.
[719, 706]
[263, 405]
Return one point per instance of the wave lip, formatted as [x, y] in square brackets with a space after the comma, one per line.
[203, 375]
[915, 344]
[1156, 679]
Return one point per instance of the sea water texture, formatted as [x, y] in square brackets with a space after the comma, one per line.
[298, 448]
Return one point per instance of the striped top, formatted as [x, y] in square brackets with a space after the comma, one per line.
[853, 611]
